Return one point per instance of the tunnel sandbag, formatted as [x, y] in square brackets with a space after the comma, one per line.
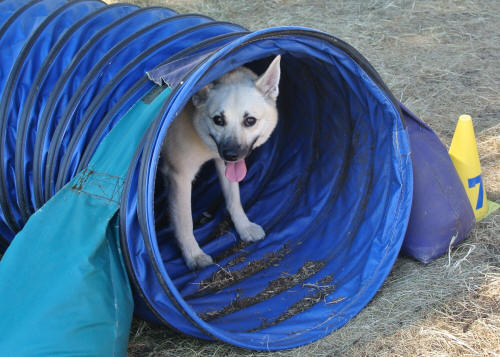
[88, 310]
[441, 223]
[332, 187]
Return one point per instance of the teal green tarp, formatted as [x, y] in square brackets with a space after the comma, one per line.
[62, 280]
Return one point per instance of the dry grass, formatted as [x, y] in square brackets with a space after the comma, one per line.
[469, 326]
[441, 58]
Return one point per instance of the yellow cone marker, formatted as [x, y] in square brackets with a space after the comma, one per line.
[463, 153]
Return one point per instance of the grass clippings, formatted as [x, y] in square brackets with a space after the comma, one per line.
[320, 291]
[273, 288]
[224, 278]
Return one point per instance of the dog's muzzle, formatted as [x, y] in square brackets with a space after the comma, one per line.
[230, 151]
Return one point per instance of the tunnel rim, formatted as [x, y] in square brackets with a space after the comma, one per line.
[147, 147]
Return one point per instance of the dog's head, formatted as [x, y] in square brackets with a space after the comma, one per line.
[237, 113]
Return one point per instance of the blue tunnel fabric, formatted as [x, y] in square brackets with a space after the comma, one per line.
[69, 82]
[257, 326]
[43, 83]
[8, 7]
[25, 68]
[332, 187]
[13, 34]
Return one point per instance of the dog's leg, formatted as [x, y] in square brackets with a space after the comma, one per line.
[248, 231]
[182, 220]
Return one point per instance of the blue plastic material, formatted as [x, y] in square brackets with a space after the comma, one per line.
[445, 220]
[20, 78]
[14, 32]
[69, 82]
[333, 186]
[8, 7]
[330, 206]
[43, 83]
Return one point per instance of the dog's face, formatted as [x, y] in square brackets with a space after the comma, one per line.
[237, 113]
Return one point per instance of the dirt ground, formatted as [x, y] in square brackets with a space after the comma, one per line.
[441, 59]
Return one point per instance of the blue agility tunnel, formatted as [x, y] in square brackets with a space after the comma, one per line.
[82, 125]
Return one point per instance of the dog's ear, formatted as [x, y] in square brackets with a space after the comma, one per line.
[201, 96]
[268, 83]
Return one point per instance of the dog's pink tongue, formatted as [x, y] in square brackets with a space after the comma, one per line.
[236, 171]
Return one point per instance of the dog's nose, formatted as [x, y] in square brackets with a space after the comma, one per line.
[230, 154]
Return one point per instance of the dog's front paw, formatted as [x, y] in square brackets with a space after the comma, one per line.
[251, 232]
[199, 261]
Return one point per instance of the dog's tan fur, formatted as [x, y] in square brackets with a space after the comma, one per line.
[193, 139]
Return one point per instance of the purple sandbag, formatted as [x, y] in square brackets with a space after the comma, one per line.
[440, 209]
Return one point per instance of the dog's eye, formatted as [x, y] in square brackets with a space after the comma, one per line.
[219, 120]
[249, 121]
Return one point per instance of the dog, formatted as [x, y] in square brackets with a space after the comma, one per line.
[224, 122]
